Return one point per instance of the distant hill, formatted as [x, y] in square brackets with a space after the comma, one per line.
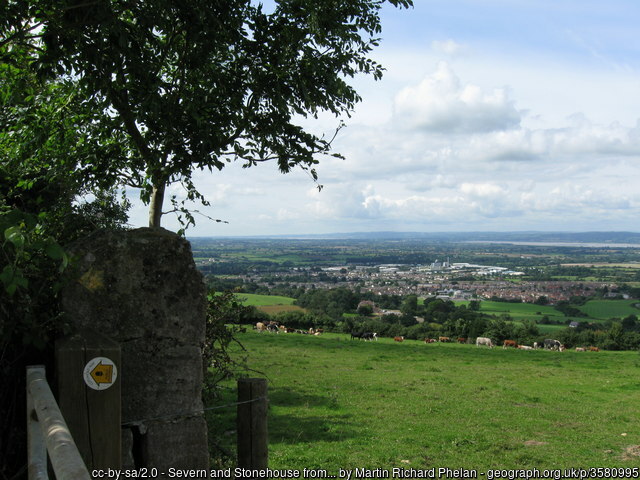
[448, 237]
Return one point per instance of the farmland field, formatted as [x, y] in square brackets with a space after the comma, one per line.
[340, 403]
[604, 309]
[595, 309]
[520, 311]
[260, 300]
[269, 304]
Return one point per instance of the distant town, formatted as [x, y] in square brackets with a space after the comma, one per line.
[442, 278]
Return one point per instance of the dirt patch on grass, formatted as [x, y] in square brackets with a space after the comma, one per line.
[534, 443]
[632, 452]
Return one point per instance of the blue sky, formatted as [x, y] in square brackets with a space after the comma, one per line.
[493, 115]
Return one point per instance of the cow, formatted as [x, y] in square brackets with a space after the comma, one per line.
[444, 339]
[370, 336]
[462, 340]
[398, 339]
[357, 335]
[273, 327]
[581, 349]
[550, 344]
[484, 341]
[594, 349]
[509, 343]
[525, 347]
[261, 327]
[536, 346]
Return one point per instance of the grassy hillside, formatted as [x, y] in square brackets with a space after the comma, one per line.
[348, 404]
[520, 311]
[595, 309]
[605, 309]
[263, 300]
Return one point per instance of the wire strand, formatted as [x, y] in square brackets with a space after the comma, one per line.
[192, 413]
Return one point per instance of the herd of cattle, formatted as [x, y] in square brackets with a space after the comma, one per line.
[548, 344]
[275, 327]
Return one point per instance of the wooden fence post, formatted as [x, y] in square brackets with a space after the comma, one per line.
[252, 423]
[88, 378]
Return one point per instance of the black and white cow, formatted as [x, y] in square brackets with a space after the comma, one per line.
[550, 344]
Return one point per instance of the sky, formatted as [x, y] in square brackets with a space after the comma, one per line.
[492, 115]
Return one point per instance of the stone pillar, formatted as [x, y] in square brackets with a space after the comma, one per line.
[141, 288]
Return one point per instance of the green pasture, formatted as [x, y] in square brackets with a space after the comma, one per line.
[341, 403]
[605, 309]
[519, 311]
[595, 309]
[251, 299]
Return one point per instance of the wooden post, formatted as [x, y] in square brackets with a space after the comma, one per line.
[252, 423]
[88, 377]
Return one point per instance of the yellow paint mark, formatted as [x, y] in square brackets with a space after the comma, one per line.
[92, 280]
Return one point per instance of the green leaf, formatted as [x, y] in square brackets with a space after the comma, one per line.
[12, 278]
[14, 235]
[55, 251]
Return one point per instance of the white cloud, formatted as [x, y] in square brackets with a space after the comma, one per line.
[440, 103]
[448, 47]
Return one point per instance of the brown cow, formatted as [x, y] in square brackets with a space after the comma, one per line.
[594, 349]
[509, 343]
[444, 339]
[398, 339]
[462, 340]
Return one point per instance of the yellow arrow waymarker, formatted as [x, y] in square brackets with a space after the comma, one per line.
[102, 373]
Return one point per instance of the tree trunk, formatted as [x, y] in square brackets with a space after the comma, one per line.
[155, 207]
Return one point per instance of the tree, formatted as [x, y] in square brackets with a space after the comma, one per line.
[616, 336]
[194, 85]
[409, 305]
[542, 300]
[365, 310]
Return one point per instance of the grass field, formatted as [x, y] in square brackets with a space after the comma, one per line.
[604, 309]
[337, 403]
[264, 300]
[270, 304]
[520, 311]
[595, 309]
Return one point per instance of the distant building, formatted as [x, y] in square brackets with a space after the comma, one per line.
[437, 265]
